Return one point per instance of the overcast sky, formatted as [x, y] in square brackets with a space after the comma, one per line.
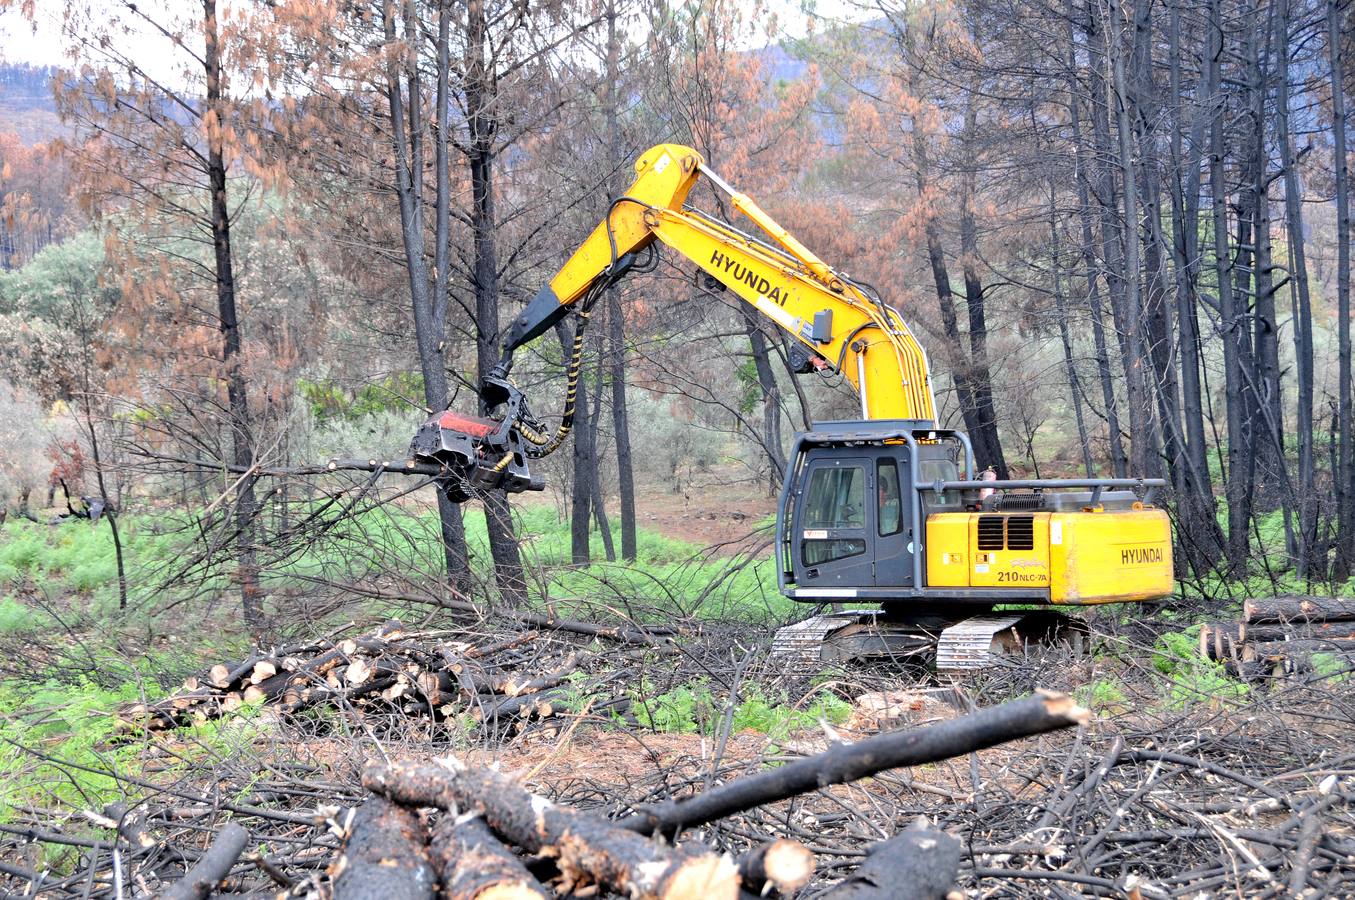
[22, 42]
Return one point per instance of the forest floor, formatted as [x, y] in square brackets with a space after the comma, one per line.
[1181, 785]
[1188, 780]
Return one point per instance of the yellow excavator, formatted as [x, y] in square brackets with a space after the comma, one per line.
[888, 509]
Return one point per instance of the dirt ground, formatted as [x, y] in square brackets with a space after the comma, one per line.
[716, 511]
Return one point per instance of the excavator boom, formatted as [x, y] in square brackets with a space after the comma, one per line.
[840, 323]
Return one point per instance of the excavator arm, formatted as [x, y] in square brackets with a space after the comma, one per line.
[840, 324]
[840, 321]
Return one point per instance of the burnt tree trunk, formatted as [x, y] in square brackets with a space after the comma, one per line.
[429, 327]
[1344, 476]
[771, 398]
[383, 855]
[1200, 512]
[1065, 336]
[980, 375]
[237, 388]
[1086, 218]
[479, 86]
[1145, 446]
[1236, 486]
[945, 298]
[616, 323]
[1310, 559]
[925, 860]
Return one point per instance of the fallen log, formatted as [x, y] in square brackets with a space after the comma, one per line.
[388, 665]
[383, 856]
[844, 763]
[919, 863]
[517, 687]
[1298, 631]
[1273, 650]
[492, 709]
[1273, 610]
[472, 864]
[500, 646]
[660, 637]
[782, 865]
[588, 850]
[1221, 641]
[201, 881]
[1298, 658]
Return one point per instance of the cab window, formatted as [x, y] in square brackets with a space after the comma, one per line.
[932, 470]
[890, 512]
[836, 499]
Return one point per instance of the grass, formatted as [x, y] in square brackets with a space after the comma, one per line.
[77, 557]
[692, 708]
[668, 577]
[66, 723]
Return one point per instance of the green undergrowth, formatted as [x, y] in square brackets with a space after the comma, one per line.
[78, 557]
[60, 745]
[1104, 695]
[693, 708]
[669, 577]
[69, 725]
[1187, 677]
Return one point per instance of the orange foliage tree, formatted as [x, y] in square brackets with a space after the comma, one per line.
[168, 105]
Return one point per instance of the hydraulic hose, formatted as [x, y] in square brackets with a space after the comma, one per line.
[543, 445]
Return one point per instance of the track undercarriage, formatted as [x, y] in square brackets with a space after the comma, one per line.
[954, 642]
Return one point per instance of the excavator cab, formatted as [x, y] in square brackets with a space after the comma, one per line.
[850, 517]
[890, 512]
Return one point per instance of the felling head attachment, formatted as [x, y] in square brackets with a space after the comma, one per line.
[480, 453]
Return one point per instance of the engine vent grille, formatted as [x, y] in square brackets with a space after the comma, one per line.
[1020, 532]
[990, 532]
[1020, 501]
[1006, 532]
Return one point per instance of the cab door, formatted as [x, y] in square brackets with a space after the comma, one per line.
[834, 521]
[893, 535]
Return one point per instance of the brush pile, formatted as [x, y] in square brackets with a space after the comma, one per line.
[467, 832]
[1179, 788]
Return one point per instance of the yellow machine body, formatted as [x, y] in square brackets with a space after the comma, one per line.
[843, 328]
[1082, 557]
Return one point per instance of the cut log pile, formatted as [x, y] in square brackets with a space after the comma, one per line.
[504, 682]
[1283, 635]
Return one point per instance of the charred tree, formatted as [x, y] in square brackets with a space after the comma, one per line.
[428, 300]
[1344, 476]
[237, 387]
[985, 435]
[616, 323]
[1087, 220]
[478, 85]
[1310, 560]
